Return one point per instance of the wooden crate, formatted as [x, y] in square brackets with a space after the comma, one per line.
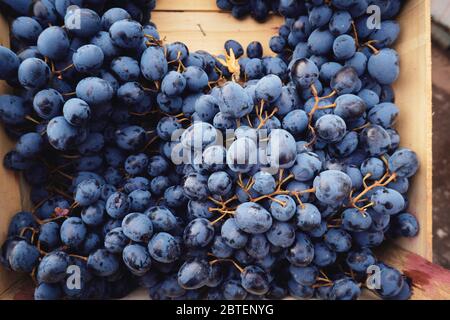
[200, 25]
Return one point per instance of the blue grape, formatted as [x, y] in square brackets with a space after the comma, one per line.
[94, 90]
[53, 43]
[198, 233]
[232, 235]
[33, 73]
[82, 22]
[88, 58]
[281, 234]
[255, 280]
[103, 263]
[344, 289]
[253, 218]
[307, 217]
[387, 201]
[137, 227]
[52, 268]
[301, 254]
[193, 274]
[164, 248]
[77, 112]
[338, 240]
[48, 103]
[384, 66]
[137, 259]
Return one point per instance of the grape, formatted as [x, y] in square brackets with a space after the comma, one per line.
[253, 218]
[331, 128]
[387, 201]
[162, 218]
[368, 239]
[232, 235]
[82, 22]
[113, 15]
[281, 234]
[319, 16]
[384, 114]
[94, 90]
[264, 183]
[103, 263]
[219, 183]
[375, 140]
[47, 291]
[307, 217]
[100, 101]
[137, 227]
[300, 291]
[280, 212]
[373, 166]
[131, 138]
[232, 290]
[320, 42]
[384, 66]
[236, 47]
[405, 225]
[92, 215]
[164, 248]
[391, 282]
[115, 240]
[198, 233]
[33, 73]
[23, 257]
[323, 255]
[344, 289]
[235, 101]
[196, 78]
[76, 112]
[404, 163]
[281, 149]
[255, 280]
[194, 274]
[53, 43]
[254, 50]
[48, 103]
[117, 205]
[301, 254]
[354, 220]
[87, 192]
[137, 259]
[304, 73]
[241, 156]
[338, 240]
[52, 268]
[257, 246]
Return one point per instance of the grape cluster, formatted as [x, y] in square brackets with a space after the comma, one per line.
[199, 176]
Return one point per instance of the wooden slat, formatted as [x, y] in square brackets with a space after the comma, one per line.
[10, 196]
[186, 5]
[413, 96]
[209, 30]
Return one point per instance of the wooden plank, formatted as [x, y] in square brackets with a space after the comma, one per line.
[183, 5]
[413, 96]
[10, 196]
[209, 30]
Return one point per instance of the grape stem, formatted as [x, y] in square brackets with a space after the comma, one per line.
[385, 180]
[241, 270]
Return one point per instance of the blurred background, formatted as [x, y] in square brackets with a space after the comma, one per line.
[440, 30]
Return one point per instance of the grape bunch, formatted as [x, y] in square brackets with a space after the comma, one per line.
[239, 176]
